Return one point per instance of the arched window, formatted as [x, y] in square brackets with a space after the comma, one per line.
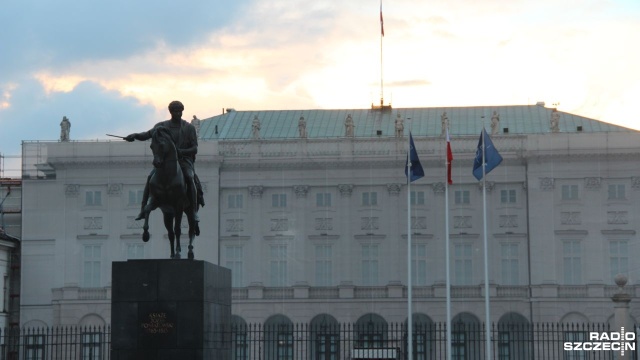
[371, 331]
[466, 333]
[278, 338]
[239, 338]
[514, 337]
[424, 335]
[325, 337]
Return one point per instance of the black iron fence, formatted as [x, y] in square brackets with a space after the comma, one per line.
[344, 342]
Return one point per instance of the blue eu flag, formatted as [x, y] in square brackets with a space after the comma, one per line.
[492, 157]
[412, 157]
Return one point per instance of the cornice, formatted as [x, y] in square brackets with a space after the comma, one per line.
[235, 238]
[416, 236]
[362, 237]
[323, 237]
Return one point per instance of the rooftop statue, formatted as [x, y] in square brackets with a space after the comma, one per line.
[65, 129]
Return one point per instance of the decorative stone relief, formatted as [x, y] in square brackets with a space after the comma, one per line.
[72, 190]
[570, 218]
[256, 191]
[279, 224]
[301, 191]
[592, 183]
[93, 223]
[345, 190]
[438, 188]
[461, 222]
[490, 185]
[235, 225]
[635, 183]
[324, 224]
[394, 189]
[547, 183]
[617, 217]
[508, 221]
[132, 223]
[370, 223]
[114, 189]
[418, 222]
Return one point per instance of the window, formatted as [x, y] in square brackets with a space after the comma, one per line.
[135, 251]
[618, 258]
[504, 350]
[285, 343]
[617, 192]
[575, 336]
[462, 197]
[463, 265]
[323, 265]
[279, 200]
[34, 347]
[323, 199]
[240, 346]
[233, 260]
[92, 264]
[569, 192]
[328, 346]
[370, 264]
[234, 201]
[135, 197]
[417, 198]
[508, 196]
[369, 198]
[509, 264]
[419, 264]
[91, 343]
[278, 265]
[94, 198]
[572, 260]
[459, 345]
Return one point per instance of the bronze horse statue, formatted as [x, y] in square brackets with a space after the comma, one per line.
[168, 191]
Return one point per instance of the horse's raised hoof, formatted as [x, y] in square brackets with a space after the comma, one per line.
[146, 236]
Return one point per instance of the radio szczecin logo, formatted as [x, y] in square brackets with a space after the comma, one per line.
[605, 341]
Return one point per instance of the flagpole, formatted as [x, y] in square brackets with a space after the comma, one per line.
[381, 67]
[446, 226]
[486, 257]
[409, 275]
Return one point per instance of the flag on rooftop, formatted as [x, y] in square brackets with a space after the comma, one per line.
[381, 21]
[492, 157]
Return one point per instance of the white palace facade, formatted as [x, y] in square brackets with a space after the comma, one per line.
[310, 214]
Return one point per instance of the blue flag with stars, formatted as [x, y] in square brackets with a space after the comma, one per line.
[492, 157]
[412, 158]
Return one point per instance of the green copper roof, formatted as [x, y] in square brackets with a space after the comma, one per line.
[283, 124]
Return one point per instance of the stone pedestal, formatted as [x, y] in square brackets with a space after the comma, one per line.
[170, 310]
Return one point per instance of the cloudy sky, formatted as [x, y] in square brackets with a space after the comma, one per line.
[113, 66]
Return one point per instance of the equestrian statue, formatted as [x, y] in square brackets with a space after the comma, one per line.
[172, 185]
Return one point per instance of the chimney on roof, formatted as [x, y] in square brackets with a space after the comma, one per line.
[540, 103]
[230, 110]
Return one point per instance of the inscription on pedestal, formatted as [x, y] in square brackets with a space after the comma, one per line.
[157, 323]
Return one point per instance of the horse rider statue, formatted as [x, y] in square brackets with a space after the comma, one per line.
[184, 137]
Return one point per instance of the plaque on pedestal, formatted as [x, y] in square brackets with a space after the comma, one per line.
[170, 310]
